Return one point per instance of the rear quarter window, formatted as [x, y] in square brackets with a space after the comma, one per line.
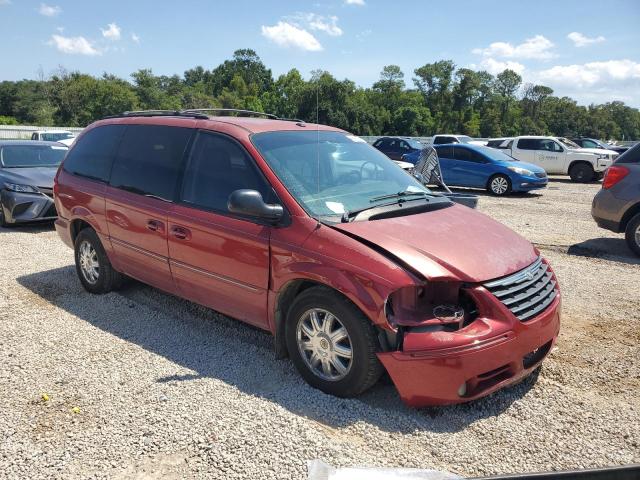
[92, 155]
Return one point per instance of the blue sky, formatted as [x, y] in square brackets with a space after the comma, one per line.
[584, 49]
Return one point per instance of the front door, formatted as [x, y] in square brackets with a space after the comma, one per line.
[218, 259]
[550, 156]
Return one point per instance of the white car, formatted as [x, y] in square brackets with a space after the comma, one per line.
[61, 136]
[561, 156]
[453, 138]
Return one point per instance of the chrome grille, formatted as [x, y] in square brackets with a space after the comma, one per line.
[527, 292]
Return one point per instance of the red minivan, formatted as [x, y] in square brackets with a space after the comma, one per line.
[312, 234]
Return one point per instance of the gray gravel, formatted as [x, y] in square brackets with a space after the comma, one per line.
[144, 385]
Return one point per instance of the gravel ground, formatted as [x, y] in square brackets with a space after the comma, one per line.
[144, 385]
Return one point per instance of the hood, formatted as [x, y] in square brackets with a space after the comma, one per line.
[452, 242]
[67, 141]
[36, 176]
[404, 165]
[597, 151]
[528, 166]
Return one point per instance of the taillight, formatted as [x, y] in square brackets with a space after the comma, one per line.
[614, 174]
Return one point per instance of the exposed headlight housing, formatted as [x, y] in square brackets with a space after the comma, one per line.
[14, 187]
[440, 305]
[521, 171]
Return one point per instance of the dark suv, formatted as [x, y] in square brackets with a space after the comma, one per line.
[617, 206]
[396, 147]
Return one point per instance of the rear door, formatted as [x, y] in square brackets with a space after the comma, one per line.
[219, 259]
[524, 149]
[143, 185]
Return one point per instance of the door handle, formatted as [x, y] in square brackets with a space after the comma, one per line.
[181, 233]
[155, 226]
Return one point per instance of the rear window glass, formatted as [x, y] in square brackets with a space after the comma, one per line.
[149, 160]
[92, 155]
[630, 156]
[16, 156]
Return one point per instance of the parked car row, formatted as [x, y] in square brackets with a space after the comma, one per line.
[61, 136]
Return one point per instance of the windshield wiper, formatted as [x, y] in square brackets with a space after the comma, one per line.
[406, 193]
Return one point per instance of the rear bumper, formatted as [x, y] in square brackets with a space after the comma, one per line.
[26, 207]
[492, 357]
[64, 232]
[607, 210]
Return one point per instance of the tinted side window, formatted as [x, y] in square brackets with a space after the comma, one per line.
[149, 160]
[92, 155]
[528, 144]
[378, 143]
[549, 145]
[443, 140]
[460, 153]
[218, 166]
[445, 152]
[630, 156]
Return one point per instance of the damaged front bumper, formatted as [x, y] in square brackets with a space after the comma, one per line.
[18, 207]
[496, 350]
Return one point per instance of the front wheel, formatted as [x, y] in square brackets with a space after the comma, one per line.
[331, 343]
[632, 234]
[581, 172]
[92, 264]
[500, 185]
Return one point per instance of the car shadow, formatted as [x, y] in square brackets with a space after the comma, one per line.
[484, 193]
[210, 345]
[613, 249]
[563, 179]
[29, 228]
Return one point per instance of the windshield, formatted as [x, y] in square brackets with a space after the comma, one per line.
[55, 136]
[332, 173]
[464, 139]
[497, 155]
[21, 156]
[568, 143]
[415, 144]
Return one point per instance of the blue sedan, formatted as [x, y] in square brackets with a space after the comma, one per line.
[475, 166]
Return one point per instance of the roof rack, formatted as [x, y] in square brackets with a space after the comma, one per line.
[159, 113]
[232, 110]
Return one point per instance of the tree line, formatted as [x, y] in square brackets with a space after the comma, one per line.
[440, 99]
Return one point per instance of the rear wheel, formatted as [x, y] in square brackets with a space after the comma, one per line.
[331, 343]
[500, 185]
[92, 264]
[581, 172]
[632, 234]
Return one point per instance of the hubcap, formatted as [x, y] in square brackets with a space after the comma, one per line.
[89, 265]
[637, 235]
[324, 344]
[499, 185]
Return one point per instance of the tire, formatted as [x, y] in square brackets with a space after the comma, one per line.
[632, 234]
[581, 172]
[359, 372]
[99, 277]
[499, 185]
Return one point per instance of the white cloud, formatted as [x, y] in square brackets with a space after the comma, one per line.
[112, 32]
[328, 24]
[5, 2]
[596, 82]
[73, 45]
[354, 2]
[285, 34]
[135, 38]
[60, 29]
[49, 10]
[495, 67]
[580, 40]
[538, 47]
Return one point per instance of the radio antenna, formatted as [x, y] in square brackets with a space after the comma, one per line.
[318, 135]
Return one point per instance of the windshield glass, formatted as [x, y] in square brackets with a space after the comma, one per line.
[20, 156]
[55, 136]
[497, 155]
[568, 143]
[415, 144]
[464, 139]
[330, 173]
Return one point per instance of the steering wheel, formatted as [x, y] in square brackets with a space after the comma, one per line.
[376, 168]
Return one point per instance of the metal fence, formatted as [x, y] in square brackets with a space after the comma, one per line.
[23, 132]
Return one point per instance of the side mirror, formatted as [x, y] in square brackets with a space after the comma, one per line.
[250, 202]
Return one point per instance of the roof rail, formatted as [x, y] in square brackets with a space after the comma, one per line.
[159, 113]
[232, 110]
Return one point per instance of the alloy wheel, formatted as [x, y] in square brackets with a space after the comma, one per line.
[89, 264]
[499, 185]
[324, 344]
[637, 235]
